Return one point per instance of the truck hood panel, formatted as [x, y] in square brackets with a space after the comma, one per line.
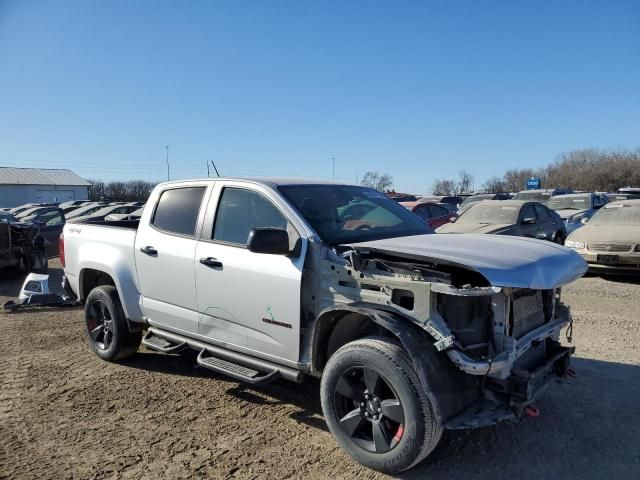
[503, 261]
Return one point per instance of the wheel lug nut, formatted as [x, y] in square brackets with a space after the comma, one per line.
[366, 414]
[379, 410]
[362, 404]
[366, 396]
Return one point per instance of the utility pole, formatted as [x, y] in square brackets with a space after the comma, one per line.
[207, 168]
[167, 147]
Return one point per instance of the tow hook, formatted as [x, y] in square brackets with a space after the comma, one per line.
[531, 411]
[570, 373]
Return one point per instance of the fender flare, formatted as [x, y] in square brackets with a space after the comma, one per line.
[448, 389]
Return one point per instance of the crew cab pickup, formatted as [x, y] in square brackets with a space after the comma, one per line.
[410, 332]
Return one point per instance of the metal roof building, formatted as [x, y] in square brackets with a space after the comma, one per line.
[40, 185]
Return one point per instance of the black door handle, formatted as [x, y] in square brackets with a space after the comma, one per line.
[211, 262]
[149, 250]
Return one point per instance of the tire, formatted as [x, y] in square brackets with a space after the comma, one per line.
[406, 414]
[106, 327]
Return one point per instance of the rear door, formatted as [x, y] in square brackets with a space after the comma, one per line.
[165, 249]
[248, 299]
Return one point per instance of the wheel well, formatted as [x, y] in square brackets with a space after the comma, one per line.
[91, 279]
[337, 330]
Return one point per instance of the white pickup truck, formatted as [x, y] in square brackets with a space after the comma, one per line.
[410, 332]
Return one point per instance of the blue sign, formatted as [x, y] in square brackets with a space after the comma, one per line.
[533, 183]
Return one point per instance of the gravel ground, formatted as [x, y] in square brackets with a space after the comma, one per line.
[66, 414]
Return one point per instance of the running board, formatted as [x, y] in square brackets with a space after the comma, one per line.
[211, 357]
[238, 372]
[160, 344]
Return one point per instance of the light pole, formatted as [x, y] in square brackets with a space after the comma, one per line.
[167, 147]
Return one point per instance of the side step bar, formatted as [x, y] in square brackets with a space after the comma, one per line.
[236, 371]
[160, 344]
[234, 364]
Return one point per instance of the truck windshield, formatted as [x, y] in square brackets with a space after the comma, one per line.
[345, 214]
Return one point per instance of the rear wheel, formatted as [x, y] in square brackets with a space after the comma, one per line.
[106, 327]
[376, 407]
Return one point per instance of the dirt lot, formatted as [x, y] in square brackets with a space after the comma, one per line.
[66, 414]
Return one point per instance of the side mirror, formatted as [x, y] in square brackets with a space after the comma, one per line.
[528, 221]
[273, 241]
[584, 220]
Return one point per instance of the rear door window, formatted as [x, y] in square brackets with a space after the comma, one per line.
[177, 210]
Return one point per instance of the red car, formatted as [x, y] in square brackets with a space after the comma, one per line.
[432, 213]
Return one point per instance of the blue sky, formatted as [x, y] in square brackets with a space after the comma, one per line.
[416, 89]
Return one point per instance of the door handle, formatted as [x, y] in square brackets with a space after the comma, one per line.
[149, 250]
[211, 262]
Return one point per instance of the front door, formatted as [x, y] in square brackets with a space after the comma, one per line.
[248, 299]
[165, 249]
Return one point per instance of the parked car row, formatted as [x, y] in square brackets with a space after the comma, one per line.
[556, 215]
[31, 231]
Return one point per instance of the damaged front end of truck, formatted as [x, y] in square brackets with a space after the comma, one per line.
[486, 315]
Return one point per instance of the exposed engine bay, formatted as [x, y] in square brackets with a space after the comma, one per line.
[506, 338]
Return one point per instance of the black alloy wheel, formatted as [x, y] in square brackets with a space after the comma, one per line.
[100, 325]
[368, 409]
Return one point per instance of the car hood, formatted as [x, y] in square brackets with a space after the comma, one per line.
[504, 261]
[564, 214]
[607, 233]
[473, 228]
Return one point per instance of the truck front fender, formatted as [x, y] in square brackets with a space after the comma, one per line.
[448, 389]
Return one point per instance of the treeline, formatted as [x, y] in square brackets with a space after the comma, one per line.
[589, 170]
[131, 191]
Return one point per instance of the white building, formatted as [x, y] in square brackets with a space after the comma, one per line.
[40, 185]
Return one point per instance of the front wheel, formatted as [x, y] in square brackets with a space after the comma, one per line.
[376, 407]
[106, 327]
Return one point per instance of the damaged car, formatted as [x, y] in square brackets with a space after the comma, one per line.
[411, 333]
[22, 247]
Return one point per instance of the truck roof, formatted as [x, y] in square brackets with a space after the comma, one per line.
[268, 181]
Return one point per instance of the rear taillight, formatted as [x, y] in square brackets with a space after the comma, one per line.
[61, 249]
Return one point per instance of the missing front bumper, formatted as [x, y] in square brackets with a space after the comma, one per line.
[507, 399]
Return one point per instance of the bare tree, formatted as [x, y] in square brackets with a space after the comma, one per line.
[376, 181]
[515, 179]
[132, 191]
[443, 187]
[465, 182]
[494, 184]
